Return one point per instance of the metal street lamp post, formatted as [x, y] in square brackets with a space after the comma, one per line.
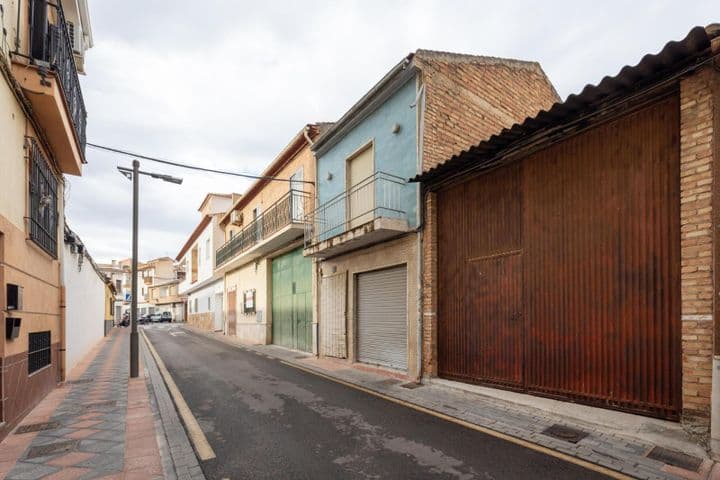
[134, 175]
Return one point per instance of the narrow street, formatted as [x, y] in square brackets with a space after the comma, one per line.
[265, 419]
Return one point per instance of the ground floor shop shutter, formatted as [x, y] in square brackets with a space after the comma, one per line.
[382, 317]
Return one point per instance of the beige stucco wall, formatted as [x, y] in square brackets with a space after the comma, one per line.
[273, 191]
[23, 263]
[252, 328]
[388, 254]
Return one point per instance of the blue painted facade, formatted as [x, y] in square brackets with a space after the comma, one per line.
[394, 154]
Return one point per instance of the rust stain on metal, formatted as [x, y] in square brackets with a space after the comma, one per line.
[559, 275]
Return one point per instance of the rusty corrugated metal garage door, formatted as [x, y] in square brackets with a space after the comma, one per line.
[560, 275]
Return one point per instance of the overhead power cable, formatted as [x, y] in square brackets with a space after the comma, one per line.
[193, 167]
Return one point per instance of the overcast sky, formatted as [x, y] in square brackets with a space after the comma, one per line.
[226, 84]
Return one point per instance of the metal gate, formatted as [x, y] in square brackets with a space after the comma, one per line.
[382, 317]
[333, 302]
[292, 301]
[560, 275]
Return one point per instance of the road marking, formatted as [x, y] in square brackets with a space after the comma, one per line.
[176, 333]
[518, 441]
[200, 442]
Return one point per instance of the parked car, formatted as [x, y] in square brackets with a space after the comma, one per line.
[166, 317]
[144, 318]
[156, 318]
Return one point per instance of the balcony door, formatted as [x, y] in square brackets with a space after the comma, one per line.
[360, 187]
[296, 199]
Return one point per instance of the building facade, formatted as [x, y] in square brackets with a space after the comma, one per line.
[202, 285]
[364, 233]
[42, 120]
[267, 280]
[581, 265]
[85, 295]
[166, 298]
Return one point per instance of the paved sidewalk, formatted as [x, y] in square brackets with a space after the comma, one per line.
[626, 455]
[99, 424]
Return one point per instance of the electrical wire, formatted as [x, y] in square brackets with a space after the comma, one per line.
[194, 167]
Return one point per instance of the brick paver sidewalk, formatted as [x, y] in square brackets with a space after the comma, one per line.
[98, 425]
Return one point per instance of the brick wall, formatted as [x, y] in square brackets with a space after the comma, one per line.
[429, 279]
[696, 240]
[469, 98]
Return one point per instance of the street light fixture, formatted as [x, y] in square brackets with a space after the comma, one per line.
[133, 174]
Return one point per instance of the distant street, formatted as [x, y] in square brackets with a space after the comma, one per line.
[268, 420]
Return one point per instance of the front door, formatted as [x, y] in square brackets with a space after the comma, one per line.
[292, 301]
[360, 188]
[232, 312]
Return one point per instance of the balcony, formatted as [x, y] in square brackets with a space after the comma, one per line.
[49, 78]
[370, 212]
[277, 226]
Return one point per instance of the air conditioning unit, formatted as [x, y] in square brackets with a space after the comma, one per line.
[236, 217]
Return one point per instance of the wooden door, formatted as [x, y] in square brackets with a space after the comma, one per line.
[361, 188]
[232, 312]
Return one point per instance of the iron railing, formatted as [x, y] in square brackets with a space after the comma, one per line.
[43, 215]
[290, 208]
[380, 195]
[50, 43]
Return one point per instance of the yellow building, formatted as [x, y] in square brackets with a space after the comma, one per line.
[42, 125]
[109, 306]
[267, 280]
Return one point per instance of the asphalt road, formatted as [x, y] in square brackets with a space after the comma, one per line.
[268, 420]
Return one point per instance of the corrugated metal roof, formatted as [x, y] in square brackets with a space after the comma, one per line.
[674, 56]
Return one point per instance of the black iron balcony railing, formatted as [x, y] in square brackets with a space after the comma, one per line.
[380, 195]
[289, 209]
[50, 44]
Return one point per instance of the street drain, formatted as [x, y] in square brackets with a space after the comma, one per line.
[37, 427]
[411, 385]
[53, 448]
[676, 459]
[565, 433]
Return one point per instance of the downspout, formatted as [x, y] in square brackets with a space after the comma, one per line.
[420, 104]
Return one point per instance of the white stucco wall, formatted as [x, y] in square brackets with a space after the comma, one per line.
[85, 307]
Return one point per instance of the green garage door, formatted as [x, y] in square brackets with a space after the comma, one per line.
[292, 301]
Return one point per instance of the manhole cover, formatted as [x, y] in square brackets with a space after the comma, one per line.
[562, 432]
[81, 380]
[37, 427]
[107, 403]
[676, 459]
[411, 385]
[53, 448]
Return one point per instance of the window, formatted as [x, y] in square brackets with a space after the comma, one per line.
[194, 265]
[207, 249]
[209, 306]
[196, 305]
[39, 355]
[118, 286]
[43, 215]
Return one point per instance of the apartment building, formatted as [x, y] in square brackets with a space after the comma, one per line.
[202, 285]
[42, 120]
[365, 231]
[164, 296]
[267, 280]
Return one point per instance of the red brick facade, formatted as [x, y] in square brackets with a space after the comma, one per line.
[698, 139]
[469, 98]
